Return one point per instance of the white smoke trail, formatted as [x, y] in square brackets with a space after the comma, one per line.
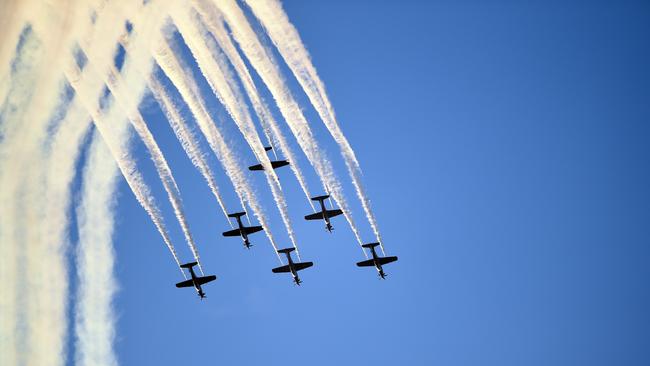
[188, 141]
[31, 194]
[186, 86]
[12, 155]
[128, 99]
[61, 158]
[13, 18]
[225, 88]
[139, 59]
[94, 320]
[270, 74]
[106, 125]
[129, 103]
[287, 40]
[213, 21]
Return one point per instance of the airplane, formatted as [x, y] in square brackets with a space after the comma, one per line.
[195, 281]
[274, 163]
[292, 267]
[242, 231]
[324, 214]
[376, 260]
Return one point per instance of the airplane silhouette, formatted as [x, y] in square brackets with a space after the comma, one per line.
[376, 260]
[274, 163]
[324, 214]
[195, 281]
[242, 230]
[292, 267]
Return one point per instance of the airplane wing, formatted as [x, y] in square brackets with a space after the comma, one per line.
[234, 232]
[205, 279]
[252, 229]
[386, 260]
[315, 216]
[302, 265]
[187, 283]
[366, 263]
[335, 212]
[282, 269]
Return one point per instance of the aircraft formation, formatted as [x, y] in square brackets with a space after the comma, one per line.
[292, 267]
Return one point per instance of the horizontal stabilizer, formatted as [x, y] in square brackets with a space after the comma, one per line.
[386, 260]
[366, 263]
[281, 269]
[189, 265]
[302, 265]
[286, 250]
[370, 245]
[320, 198]
[237, 214]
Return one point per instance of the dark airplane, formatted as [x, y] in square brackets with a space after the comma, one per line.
[195, 281]
[376, 260]
[242, 231]
[274, 163]
[324, 214]
[292, 267]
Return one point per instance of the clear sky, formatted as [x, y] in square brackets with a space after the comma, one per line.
[505, 150]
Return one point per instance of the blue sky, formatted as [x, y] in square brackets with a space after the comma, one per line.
[505, 150]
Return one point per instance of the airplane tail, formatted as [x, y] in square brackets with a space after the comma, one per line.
[189, 265]
[286, 250]
[370, 245]
[237, 214]
[320, 198]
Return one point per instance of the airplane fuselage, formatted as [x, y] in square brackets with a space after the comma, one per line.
[326, 217]
[198, 288]
[244, 236]
[294, 273]
[375, 260]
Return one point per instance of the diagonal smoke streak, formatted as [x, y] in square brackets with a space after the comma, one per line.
[140, 59]
[213, 21]
[188, 141]
[95, 321]
[107, 125]
[270, 74]
[225, 89]
[287, 40]
[129, 104]
[186, 86]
